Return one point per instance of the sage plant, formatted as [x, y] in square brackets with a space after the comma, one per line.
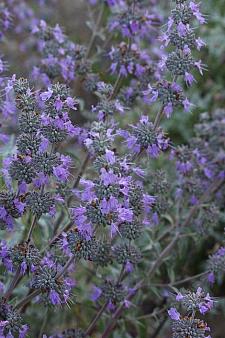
[102, 214]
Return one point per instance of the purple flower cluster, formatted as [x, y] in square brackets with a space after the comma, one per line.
[216, 265]
[5, 18]
[179, 62]
[132, 19]
[144, 136]
[116, 197]
[61, 58]
[190, 325]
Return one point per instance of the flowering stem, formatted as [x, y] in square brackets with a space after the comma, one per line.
[12, 284]
[31, 229]
[17, 275]
[182, 281]
[45, 319]
[66, 266]
[79, 175]
[76, 182]
[52, 241]
[215, 186]
[153, 314]
[118, 312]
[96, 318]
[94, 34]
[27, 299]
[160, 112]
[163, 254]
[102, 309]
[35, 293]
[150, 274]
[121, 275]
[116, 87]
[159, 328]
[158, 117]
[188, 279]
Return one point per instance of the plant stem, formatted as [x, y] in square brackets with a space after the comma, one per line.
[96, 318]
[153, 314]
[102, 309]
[159, 328]
[116, 87]
[12, 284]
[182, 281]
[65, 228]
[94, 34]
[43, 324]
[66, 266]
[27, 299]
[118, 312]
[163, 254]
[79, 175]
[31, 229]
[158, 117]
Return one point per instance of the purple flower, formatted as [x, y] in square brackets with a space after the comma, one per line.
[206, 305]
[125, 214]
[41, 180]
[96, 293]
[58, 104]
[3, 213]
[23, 267]
[168, 109]
[23, 331]
[71, 103]
[200, 43]
[46, 95]
[153, 150]
[110, 205]
[19, 205]
[61, 173]
[108, 177]
[3, 323]
[179, 297]
[127, 304]
[189, 78]
[187, 104]
[110, 156]
[148, 202]
[211, 278]
[195, 9]
[174, 314]
[44, 145]
[58, 34]
[54, 297]
[182, 29]
[113, 230]
[129, 267]
[200, 66]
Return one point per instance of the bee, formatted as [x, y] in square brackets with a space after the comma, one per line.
[78, 246]
[123, 48]
[94, 204]
[21, 157]
[22, 198]
[201, 325]
[177, 96]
